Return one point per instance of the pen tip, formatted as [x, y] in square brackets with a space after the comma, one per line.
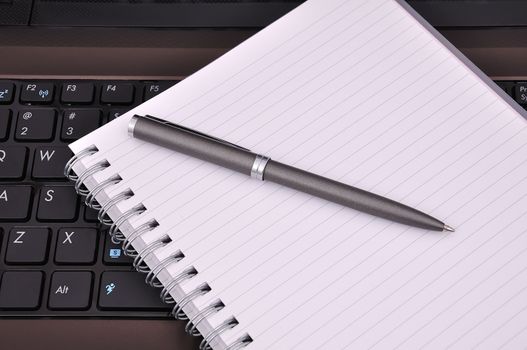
[448, 228]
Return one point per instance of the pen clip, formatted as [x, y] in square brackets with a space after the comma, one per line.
[192, 131]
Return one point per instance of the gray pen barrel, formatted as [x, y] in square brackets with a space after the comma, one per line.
[199, 147]
[348, 196]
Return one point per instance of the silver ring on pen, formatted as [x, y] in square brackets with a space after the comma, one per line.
[258, 168]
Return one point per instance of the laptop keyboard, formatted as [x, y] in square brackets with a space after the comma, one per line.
[55, 258]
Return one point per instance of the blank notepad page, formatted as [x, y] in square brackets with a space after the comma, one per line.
[365, 92]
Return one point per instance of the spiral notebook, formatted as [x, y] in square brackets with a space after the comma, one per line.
[363, 91]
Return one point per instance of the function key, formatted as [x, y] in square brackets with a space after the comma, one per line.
[27, 246]
[77, 93]
[57, 203]
[79, 122]
[49, 162]
[37, 93]
[15, 202]
[5, 117]
[521, 93]
[154, 89]
[76, 246]
[35, 125]
[12, 162]
[21, 289]
[113, 253]
[7, 91]
[127, 290]
[119, 94]
[70, 290]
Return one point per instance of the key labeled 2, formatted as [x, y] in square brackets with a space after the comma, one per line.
[35, 125]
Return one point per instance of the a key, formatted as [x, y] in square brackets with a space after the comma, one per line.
[21, 290]
[113, 253]
[118, 93]
[116, 113]
[127, 290]
[77, 93]
[15, 202]
[37, 93]
[50, 161]
[5, 119]
[76, 246]
[70, 290]
[35, 125]
[521, 93]
[27, 245]
[7, 91]
[154, 89]
[79, 122]
[57, 203]
[12, 162]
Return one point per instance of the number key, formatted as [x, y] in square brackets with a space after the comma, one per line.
[79, 122]
[5, 117]
[35, 125]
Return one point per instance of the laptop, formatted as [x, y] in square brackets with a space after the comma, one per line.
[68, 67]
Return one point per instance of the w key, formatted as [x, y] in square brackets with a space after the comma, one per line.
[50, 161]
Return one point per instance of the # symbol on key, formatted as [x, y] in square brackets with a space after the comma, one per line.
[27, 115]
[72, 116]
[109, 288]
[43, 93]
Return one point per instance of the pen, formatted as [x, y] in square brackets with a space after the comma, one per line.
[211, 149]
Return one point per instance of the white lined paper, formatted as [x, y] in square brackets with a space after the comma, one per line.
[359, 91]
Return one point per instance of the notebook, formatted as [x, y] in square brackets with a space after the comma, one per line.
[362, 91]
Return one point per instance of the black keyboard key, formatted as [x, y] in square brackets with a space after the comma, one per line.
[90, 215]
[5, 118]
[126, 290]
[116, 113]
[77, 93]
[57, 203]
[15, 202]
[12, 162]
[37, 93]
[21, 290]
[118, 93]
[76, 246]
[7, 91]
[50, 161]
[35, 125]
[70, 290]
[521, 93]
[113, 253]
[79, 122]
[154, 89]
[27, 245]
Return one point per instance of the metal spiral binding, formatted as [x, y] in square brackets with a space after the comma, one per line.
[127, 243]
[192, 324]
[139, 257]
[90, 200]
[226, 325]
[115, 231]
[103, 212]
[79, 183]
[188, 273]
[68, 169]
[139, 261]
[151, 277]
[177, 312]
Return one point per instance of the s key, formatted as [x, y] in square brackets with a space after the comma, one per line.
[57, 203]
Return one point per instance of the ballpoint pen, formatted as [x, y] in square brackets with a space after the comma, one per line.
[237, 158]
